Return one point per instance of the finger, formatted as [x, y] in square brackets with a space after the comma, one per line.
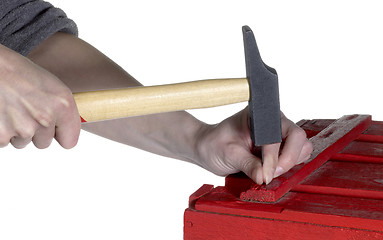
[270, 153]
[251, 166]
[68, 123]
[42, 116]
[23, 136]
[306, 152]
[24, 127]
[44, 136]
[291, 151]
[19, 142]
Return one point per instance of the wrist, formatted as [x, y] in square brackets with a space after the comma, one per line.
[186, 146]
[196, 144]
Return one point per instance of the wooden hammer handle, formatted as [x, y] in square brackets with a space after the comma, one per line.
[136, 101]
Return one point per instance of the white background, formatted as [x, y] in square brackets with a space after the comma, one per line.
[328, 56]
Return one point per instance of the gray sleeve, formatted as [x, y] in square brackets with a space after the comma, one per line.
[24, 24]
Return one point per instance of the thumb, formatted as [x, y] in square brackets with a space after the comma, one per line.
[270, 154]
[252, 167]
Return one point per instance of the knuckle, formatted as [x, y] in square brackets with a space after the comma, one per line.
[64, 101]
[25, 134]
[45, 118]
[290, 160]
[287, 160]
[299, 133]
[26, 131]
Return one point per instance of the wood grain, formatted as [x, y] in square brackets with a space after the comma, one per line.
[341, 211]
[340, 200]
[303, 211]
[119, 103]
[213, 226]
[353, 179]
[326, 143]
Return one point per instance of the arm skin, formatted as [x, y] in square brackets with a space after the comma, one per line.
[223, 148]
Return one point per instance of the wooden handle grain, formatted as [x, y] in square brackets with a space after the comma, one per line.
[136, 101]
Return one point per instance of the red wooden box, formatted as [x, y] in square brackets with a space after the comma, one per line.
[342, 199]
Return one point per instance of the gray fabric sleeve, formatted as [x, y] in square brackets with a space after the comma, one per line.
[24, 24]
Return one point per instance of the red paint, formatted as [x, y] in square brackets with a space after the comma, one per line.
[281, 185]
[82, 120]
[360, 180]
[206, 188]
[340, 200]
[213, 226]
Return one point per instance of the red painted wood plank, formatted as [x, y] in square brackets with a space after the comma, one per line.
[355, 193]
[356, 158]
[328, 142]
[212, 226]
[354, 212]
[367, 176]
[206, 188]
[313, 127]
[370, 138]
[238, 183]
[307, 208]
[362, 180]
[364, 149]
[221, 200]
[375, 129]
[359, 151]
[340, 200]
[372, 134]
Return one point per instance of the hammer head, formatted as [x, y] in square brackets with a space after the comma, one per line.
[264, 110]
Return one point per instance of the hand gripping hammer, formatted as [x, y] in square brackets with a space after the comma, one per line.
[260, 88]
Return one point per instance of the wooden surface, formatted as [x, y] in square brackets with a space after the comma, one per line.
[118, 103]
[212, 226]
[326, 143]
[343, 199]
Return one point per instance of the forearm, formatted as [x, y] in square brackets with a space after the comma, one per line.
[79, 65]
[167, 134]
[83, 68]
[223, 149]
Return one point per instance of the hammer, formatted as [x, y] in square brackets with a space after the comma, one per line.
[260, 88]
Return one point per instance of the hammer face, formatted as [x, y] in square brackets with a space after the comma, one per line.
[264, 109]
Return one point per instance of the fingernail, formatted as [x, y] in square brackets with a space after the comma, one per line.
[259, 177]
[268, 178]
[279, 171]
[259, 181]
[269, 175]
